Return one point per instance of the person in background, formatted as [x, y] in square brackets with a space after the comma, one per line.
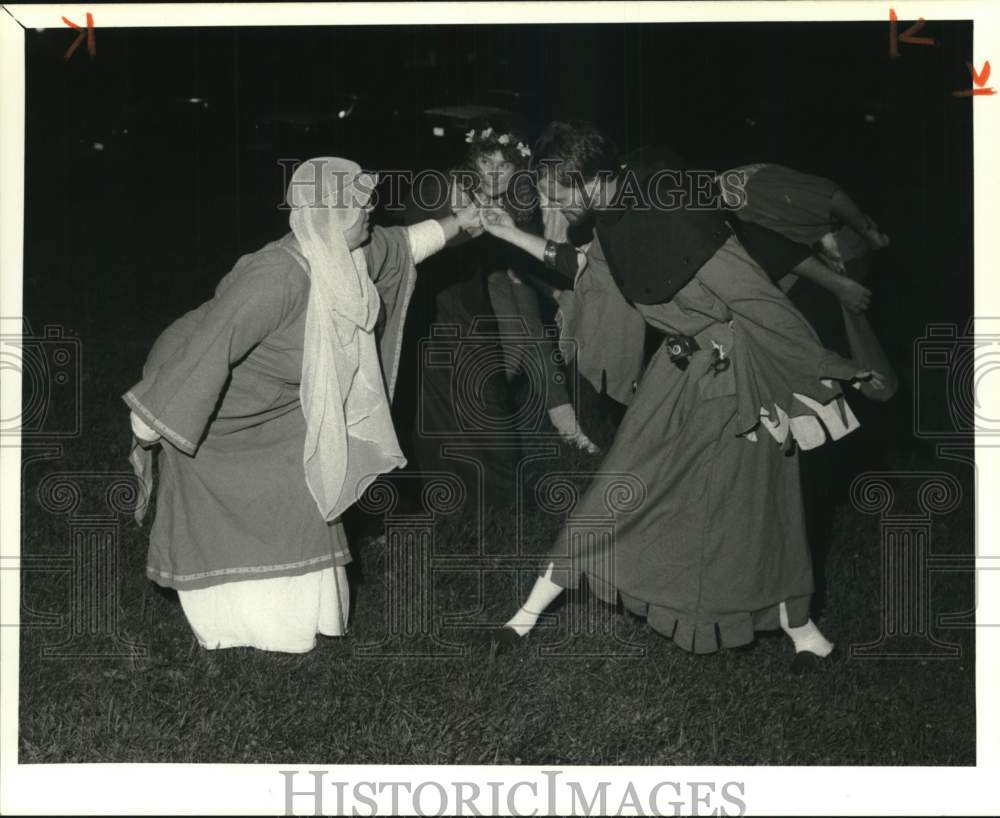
[817, 246]
[266, 410]
[809, 210]
[515, 295]
[474, 299]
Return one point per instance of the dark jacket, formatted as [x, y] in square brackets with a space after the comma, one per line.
[655, 245]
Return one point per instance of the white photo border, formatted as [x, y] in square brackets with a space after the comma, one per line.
[259, 789]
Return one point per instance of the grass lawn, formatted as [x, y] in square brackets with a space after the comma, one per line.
[614, 692]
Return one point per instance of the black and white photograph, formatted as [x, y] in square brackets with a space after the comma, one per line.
[482, 408]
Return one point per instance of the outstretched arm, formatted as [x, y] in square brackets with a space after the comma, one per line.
[562, 257]
[429, 236]
[842, 206]
[463, 218]
[780, 257]
[854, 296]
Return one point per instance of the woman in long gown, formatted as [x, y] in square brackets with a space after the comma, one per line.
[268, 408]
[713, 548]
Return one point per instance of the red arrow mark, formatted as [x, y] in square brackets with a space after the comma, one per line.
[978, 79]
[906, 36]
[91, 39]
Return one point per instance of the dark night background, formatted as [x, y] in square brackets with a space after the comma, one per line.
[151, 167]
[119, 241]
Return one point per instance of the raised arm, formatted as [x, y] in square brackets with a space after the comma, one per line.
[436, 217]
[780, 257]
[562, 257]
[854, 296]
[177, 398]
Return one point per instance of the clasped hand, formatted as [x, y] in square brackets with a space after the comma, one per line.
[475, 216]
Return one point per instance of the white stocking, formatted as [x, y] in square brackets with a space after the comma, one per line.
[542, 595]
[807, 637]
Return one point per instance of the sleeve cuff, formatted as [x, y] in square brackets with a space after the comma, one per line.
[178, 440]
[142, 431]
[426, 238]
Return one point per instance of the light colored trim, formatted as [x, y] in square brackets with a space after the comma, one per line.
[178, 440]
[241, 571]
[411, 280]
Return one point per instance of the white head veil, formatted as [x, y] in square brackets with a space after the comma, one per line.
[350, 438]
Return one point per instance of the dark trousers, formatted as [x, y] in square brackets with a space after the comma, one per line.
[464, 424]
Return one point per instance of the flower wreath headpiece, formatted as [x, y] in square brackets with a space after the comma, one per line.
[504, 139]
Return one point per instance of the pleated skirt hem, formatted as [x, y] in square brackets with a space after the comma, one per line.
[709, 633]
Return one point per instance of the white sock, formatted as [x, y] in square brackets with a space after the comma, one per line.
[807, 637]
[542, 595]
[564, 419]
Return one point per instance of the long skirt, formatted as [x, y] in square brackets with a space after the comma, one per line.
[712, 537]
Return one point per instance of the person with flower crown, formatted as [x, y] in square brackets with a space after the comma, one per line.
[517, 297]
[478, 293]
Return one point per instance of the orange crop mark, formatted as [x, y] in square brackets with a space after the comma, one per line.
[979, 79]
[91, 39]
[906, 36]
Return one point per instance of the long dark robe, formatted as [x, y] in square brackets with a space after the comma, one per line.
[696, 518]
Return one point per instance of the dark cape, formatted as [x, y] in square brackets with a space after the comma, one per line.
[656, 234]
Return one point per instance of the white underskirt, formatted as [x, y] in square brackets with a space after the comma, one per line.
[279, 614]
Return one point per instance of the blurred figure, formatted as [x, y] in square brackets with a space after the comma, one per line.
[817, 245]
[803, 207]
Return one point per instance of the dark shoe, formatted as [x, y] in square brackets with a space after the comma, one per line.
[806, 662]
